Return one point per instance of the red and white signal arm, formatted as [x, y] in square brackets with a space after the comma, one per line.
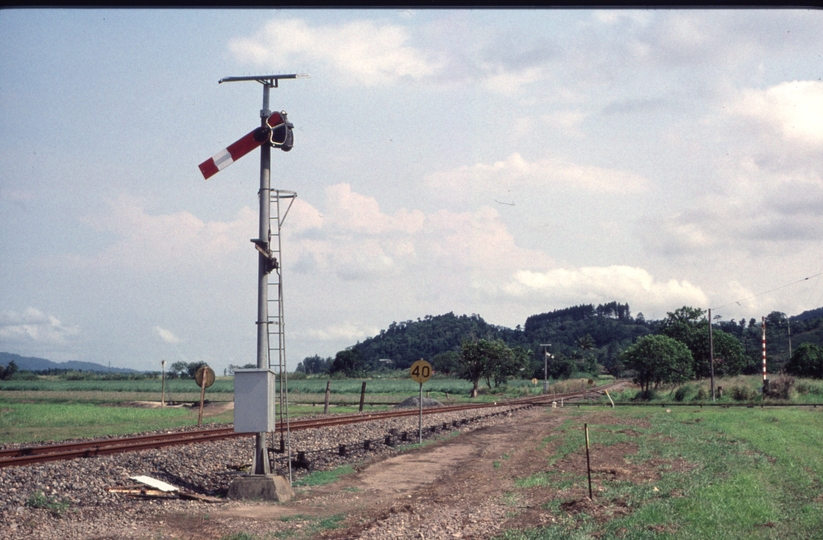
[278, 133]
[421, 371]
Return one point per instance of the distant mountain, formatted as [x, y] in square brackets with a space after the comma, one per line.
[41, 364]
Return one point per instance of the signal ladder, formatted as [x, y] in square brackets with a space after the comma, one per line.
[280, 202]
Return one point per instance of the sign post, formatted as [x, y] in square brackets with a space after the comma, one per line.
[163, 384]
[204, 378]
[420, 372]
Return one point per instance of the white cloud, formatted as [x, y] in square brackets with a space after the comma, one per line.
[604, 284]
[516, 171]
[149, 242]
[32, 326]
[355, 240]
[792, 110]
[166, 335]
[359, 52]
[348, 332]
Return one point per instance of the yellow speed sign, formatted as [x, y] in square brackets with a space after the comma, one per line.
[421, 371]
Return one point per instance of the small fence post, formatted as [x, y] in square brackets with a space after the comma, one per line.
[362, 395]
[326, 404]
[588, 461]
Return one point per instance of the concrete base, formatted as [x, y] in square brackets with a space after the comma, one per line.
[265, 487]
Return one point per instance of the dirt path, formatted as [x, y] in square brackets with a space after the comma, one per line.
[459, 488]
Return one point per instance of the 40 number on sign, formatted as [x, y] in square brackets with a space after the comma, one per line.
[421, 371]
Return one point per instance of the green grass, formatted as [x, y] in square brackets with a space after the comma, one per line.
[320, 478]
[311, 528]
[757, 473]
[56, 506]
[31, 422]
[741, 389]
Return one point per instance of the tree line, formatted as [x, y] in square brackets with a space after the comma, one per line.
[586, 340]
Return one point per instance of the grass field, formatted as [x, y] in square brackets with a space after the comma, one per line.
[730, 390]
[752, 473]
[51, 409]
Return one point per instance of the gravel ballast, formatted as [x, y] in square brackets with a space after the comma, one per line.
[62, 500]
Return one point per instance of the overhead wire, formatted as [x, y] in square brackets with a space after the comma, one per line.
[766, 292]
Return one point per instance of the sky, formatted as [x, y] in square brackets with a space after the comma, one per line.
[490, 162]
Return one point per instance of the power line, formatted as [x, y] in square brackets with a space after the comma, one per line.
[770, 290]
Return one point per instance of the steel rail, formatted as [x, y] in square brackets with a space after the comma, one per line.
[62, 451]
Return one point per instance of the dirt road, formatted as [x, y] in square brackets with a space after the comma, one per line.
[462, 487]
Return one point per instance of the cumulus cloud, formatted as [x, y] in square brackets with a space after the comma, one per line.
[32, 326]
[769, 193]
[166, 335]
[347, 332]
[515, 171]
[161, 241]
[353, 239]
[603, 284]
[791, 110]
[359, 52]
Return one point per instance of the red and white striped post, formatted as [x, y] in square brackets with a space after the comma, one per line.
[765, 379]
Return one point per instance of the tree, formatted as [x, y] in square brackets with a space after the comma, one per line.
[490, 360]
[179, 369]
[446, 362]
[8, 371]
[658, 359]
[312, 365]
[807, 361]
[507, 363]
[474, 362]
[192, 368]
[689, 326]
[348, 363]
[233, 368]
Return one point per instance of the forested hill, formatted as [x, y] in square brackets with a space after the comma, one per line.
[580, 338]
[407, 341]
[585, 333]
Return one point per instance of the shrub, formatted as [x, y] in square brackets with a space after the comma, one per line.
[807, 387]
[743, 393]
[781, 387]
[645, 395]
[702, 394]
[683, 392]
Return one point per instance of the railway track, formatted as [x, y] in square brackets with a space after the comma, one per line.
[63, 451]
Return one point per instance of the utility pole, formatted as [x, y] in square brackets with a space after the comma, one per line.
[789, 321]
[711, 350]
[765, 379]
[545, 367]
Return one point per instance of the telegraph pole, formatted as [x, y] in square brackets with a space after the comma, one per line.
[711, 349]
[545, 367]
[765, 378]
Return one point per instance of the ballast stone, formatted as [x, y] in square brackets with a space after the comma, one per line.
[415, 402]
[266, 487]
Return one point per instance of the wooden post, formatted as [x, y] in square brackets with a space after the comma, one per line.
[588, 461]
[362, 395]
[326, 404]
[163, 384]
[202, 395]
